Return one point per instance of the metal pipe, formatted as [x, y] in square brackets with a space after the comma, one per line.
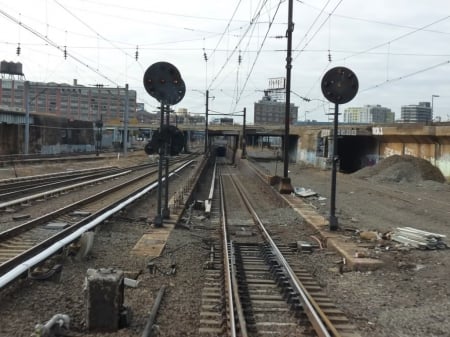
[54, 327]
[148, 330]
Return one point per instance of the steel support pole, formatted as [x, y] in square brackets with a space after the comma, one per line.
[125, 121]
[333, 219]
[244, 142]
[158, 221]
[206, 121]
[166, 211]
[27, 118]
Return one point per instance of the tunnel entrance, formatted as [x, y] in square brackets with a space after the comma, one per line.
[355, 152]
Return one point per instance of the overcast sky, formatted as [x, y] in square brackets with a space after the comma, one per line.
[398, 49]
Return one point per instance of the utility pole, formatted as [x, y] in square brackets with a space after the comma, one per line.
[125, 122]
[206, 120]
[286, 187]
[244, 149]
[27, 118]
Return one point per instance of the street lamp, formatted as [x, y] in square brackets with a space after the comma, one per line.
[432, 101]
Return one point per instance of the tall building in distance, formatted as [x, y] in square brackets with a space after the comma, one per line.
[369, 114]
[271, 109]
[420, 113]
[75, 102]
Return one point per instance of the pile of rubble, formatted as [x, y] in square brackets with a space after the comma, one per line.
[404, 168]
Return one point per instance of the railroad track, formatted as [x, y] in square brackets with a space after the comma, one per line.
[256, 286]
[21, 247]
[13, 188]
[22, 190]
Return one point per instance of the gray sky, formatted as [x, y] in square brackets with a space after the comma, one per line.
[399, 49]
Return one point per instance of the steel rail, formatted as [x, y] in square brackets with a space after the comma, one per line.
[55, 175]
[11, 191]
[318, 319]
[230, 273]
[118, 173]
[59, 190]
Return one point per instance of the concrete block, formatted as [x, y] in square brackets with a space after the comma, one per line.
[104, 295]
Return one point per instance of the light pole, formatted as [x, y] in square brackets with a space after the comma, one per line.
[432, 101]
[306, 112]
[206, 121]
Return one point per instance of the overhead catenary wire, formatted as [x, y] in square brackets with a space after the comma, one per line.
[407, 75]
[96, 33]
[397, 38]
[226, 28]
[257, 56]
[53, 44]
[233, 51]
[317, 30]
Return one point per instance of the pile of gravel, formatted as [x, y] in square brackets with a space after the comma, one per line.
[402, 169]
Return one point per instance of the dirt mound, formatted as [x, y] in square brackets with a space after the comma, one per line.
[402, 169]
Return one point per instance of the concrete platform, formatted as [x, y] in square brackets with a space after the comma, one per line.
[349, 250]
[152, 244]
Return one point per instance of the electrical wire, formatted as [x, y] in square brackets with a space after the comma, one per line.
[311, 26]
[389, 24]
[407, 75]
[226, 29]
[318, 29]
[55, 45]
[93, 30]
[257, 55]
[254, 19]
[397, 38]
